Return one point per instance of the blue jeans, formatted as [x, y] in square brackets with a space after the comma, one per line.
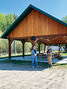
[34, 59]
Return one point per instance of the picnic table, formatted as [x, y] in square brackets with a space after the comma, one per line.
[41, 55]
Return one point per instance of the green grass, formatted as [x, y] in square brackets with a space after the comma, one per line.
[25, 63]
[14, 56]
[60, 65]
[19, 62]
[28, 54]
[4, 69]
[63, 54]
[18, 55]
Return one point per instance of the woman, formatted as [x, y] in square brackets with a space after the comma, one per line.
[34, 56]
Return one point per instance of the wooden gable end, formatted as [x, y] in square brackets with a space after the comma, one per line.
[37, 24]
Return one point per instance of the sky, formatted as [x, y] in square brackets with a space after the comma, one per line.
[56, 8]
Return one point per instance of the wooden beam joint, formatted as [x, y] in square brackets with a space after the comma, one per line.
[33, 41]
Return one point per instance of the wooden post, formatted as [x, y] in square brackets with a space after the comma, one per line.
[39, 47]
[10, 42]
[59, 49]
[23, 49]
[9, 50]
[23, 42]
[44, 47]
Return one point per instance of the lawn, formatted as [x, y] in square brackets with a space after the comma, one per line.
[27, 63]
[28, 54]
[24, 63]
[63, 54]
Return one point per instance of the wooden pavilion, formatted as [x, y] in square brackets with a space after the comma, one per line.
[36, 26]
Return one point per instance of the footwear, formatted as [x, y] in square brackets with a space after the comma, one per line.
[32, 66]
[37, 66]
[50, 66]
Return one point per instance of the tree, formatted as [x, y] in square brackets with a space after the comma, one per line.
[9, 19]
[2, 22]
[14, 17]
[6, 21]
[64, 19]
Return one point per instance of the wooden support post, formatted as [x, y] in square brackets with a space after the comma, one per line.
[44, 47]
[59, 49]
[23, 49]
[10, 42]
[39, 47]
[9, 50]
[23, 42]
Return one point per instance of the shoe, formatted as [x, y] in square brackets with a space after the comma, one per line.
[32, 66]
[50, 66]
[37, 66]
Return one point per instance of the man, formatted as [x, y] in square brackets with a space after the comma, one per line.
[49, 54]
[34, 56]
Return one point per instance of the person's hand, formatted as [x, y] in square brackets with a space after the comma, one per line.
[46, 54]
[35, 54]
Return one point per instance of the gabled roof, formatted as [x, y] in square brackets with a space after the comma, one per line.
[23, 15]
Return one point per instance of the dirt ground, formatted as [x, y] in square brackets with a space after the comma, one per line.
[24, 77]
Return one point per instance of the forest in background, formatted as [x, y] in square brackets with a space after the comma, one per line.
[5, 22]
